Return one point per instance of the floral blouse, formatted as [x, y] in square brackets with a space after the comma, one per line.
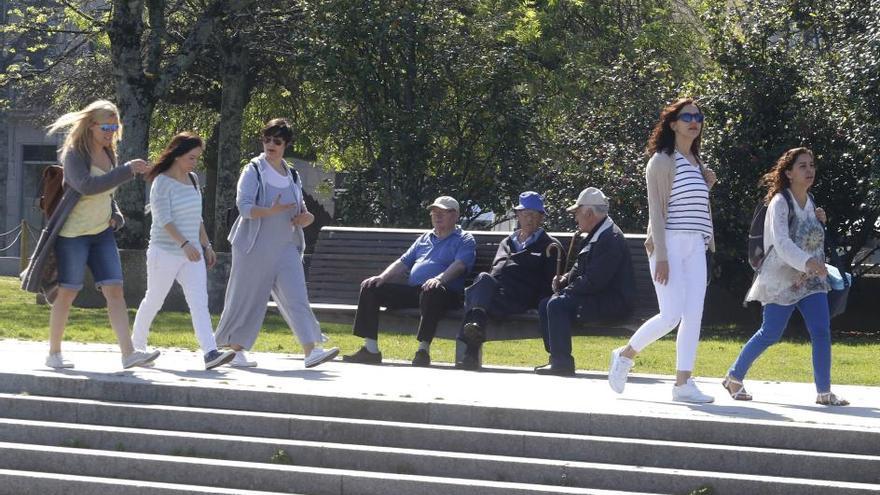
[782, 278]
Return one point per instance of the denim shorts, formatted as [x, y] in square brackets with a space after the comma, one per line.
[98, 252]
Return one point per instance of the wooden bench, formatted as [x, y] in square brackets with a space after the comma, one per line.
[344, 256]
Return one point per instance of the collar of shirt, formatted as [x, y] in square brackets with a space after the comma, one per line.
[455, 232]
[522, 245]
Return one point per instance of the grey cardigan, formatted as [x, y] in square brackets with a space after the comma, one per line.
[41, 275]
[245, 229]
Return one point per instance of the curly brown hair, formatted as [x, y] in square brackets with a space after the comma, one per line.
[662, 138]
[180, 145]
[775, 180]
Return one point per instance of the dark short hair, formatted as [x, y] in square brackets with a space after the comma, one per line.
[278, 128]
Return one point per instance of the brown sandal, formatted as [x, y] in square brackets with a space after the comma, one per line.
[736, 394]
[829, 399]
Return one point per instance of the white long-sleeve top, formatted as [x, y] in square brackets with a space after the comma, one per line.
[782, 278]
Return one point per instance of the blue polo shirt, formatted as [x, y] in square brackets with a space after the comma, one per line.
[429, 256]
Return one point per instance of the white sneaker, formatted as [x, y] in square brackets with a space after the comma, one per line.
[148, 364]
[139, 358]
[690, 393]
[240, 361]
[619, 369]
[319, 356]
[57, 361]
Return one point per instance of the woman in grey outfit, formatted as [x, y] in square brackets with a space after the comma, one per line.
[267, 246]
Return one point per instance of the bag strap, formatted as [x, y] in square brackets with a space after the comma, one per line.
[194, 179]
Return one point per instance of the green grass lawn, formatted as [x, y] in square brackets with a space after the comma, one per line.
[854, 356]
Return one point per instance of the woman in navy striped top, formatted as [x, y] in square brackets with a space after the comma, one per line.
[679, 233]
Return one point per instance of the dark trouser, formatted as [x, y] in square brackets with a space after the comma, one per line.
[432, 303]
[557, 314]
[487, 297]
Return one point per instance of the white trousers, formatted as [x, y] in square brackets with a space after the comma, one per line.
[680, 299]
[163, 268]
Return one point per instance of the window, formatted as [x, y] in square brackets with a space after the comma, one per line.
[38, 153]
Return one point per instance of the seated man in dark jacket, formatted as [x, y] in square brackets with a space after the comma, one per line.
[522, 273]
[600, 285]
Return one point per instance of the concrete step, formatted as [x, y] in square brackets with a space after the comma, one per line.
[171, 429]
[34, 482]
[256, 476]
[723, 430]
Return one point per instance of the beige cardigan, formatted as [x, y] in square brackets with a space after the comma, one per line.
[660, 174]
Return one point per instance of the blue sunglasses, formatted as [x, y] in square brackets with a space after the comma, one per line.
[109, 127]
[688, 117]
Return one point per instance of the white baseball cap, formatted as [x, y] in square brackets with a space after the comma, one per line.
[590, 196]
[445, 202]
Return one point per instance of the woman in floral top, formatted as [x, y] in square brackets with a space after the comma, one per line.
[792, 275]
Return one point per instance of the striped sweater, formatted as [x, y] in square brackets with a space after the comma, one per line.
[172, 201]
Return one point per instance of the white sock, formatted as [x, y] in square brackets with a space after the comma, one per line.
[372, 345]
[425, 346]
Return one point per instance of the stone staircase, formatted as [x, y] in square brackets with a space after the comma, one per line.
[88, 433]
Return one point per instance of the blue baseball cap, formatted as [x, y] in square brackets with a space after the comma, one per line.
[530, 200]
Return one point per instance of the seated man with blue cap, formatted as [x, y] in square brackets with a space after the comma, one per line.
[521, 275]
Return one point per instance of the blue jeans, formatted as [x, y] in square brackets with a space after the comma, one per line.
[814, 309]
[98, 252]
[557, 314]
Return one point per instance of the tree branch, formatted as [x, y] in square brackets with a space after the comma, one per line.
[198, 36]
[92, 20]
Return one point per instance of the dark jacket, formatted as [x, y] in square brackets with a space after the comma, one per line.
[603, 275]
[526, 275]
[41, 275]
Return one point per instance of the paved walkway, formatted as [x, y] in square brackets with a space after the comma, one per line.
[645, 395]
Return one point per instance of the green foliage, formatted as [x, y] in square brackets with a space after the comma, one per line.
[422, 99]
[482, 99]
[774, 85]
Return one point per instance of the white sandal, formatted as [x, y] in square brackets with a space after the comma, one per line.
[829, 399]
[738, 394]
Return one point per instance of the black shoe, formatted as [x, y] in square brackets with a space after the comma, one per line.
[363, 356]
[550, 370]
[468, 362]
[216, 358]
[422, 359]
[473, 333]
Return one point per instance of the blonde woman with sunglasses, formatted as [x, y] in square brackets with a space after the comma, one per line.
[267, 246]
[79, 233]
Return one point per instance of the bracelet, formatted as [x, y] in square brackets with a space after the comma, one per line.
[184, 244]
[209, 246]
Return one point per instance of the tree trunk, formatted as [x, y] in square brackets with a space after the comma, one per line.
[131, 196]
[234, 99]
[210, 161]
[134, 97]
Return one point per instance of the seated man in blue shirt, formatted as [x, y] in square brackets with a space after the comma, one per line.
[436, 264]
[600, 286]
[521, 275]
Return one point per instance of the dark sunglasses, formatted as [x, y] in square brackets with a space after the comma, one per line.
[276, 140]
[688, 117]
[109, 127]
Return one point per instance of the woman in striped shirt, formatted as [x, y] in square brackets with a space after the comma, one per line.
[679, 234]
[178, 242]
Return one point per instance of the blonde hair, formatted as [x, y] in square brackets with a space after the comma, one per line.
[80, 124]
